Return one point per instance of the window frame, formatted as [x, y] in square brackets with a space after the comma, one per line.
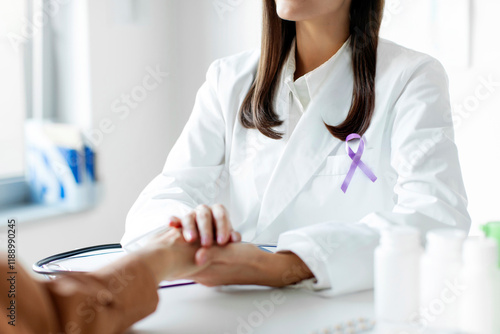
[14, 190]
[39, 64]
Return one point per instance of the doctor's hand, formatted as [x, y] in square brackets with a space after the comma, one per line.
[207, 224]
[241, 263]
[170, 257]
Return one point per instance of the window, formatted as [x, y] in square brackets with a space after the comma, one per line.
[44, 78]
[13, 102]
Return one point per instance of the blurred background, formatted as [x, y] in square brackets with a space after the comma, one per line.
[121, 76]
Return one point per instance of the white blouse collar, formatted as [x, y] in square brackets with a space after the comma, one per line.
[314, 78]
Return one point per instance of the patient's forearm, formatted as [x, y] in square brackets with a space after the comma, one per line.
[108, 301]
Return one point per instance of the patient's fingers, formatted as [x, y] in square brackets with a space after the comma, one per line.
[205, 224]
[223, 226]
[189, 230]
[225, 254]
[235, 236]
[175, 222]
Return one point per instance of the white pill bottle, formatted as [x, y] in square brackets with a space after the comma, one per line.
[440, 289]
[480, 303]
[396, 277]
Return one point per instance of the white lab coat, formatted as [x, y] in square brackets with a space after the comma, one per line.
[409, 147]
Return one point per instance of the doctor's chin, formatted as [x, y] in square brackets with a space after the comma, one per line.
[249, 167]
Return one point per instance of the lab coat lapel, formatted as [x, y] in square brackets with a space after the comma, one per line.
[310, 143]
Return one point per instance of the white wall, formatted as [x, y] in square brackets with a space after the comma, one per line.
[181, 36]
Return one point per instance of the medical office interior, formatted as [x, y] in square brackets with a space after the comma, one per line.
[124, 75]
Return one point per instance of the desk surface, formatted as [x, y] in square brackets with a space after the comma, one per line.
[196, 309]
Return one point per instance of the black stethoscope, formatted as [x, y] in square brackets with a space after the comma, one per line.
[48, 265]
[53, 265]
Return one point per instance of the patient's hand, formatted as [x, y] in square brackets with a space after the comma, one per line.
[170, 257]
[207, 224]
[239, 263]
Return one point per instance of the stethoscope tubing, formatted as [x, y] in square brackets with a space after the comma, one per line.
[39, 266]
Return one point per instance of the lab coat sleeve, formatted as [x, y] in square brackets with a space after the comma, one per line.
[429, 190]
[190, 172]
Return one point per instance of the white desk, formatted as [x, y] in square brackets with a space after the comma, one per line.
[196, 309]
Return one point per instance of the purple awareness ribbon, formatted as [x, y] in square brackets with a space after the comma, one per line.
[356, 161]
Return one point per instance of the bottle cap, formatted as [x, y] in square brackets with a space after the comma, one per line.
[446, 242]
[480, 252]
[402, 237]
[492, 230]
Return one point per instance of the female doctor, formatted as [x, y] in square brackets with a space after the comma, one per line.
[314, 143]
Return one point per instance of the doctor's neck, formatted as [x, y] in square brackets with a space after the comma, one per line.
[318, 39]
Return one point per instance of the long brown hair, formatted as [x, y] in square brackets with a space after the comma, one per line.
[257, 110]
